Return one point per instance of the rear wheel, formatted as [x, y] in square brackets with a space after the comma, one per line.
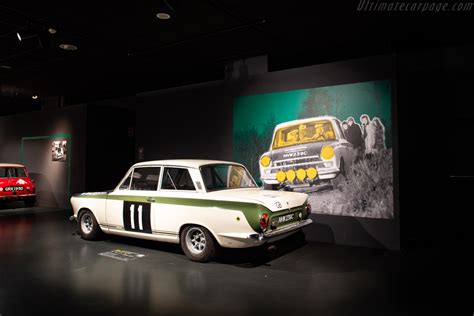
[88, 227]
[198, 244]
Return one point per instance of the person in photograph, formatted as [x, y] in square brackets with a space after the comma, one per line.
[368, 134]
[379, 134]
[354, 135]
[345, 128]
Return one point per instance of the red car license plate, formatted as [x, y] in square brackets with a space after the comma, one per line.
[15, 188]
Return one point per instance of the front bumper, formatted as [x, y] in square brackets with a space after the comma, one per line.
[281, 233]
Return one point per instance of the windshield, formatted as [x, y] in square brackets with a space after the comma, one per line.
[222, 177]
[12, 172]
[304, 133]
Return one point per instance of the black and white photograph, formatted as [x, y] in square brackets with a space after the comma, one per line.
[59, 150]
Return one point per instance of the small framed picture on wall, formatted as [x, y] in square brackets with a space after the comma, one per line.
[59, 150]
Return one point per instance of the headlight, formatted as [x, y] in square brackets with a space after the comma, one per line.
[300, 174]
[312, 173]
[327, 152]
[281, 176]
[265, 161]
[290, 175]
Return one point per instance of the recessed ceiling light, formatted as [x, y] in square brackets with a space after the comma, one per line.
[18, 36]
[52, 30]
[34, 97]
[68, 47]
[163, 16]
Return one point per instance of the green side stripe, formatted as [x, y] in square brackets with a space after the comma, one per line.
[252, 211]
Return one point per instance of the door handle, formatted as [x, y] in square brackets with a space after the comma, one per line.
[151, 200]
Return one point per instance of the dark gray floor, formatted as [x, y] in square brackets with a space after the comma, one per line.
[47, 268]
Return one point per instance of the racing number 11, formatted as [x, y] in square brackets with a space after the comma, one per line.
[140, 216]
[136, 217]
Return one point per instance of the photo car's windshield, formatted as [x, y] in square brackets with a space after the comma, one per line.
[304, 133]
[12, 172]
[222, 177]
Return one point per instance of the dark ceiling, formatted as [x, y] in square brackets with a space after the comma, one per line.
[123, 48]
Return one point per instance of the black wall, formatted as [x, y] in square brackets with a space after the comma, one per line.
[110, 146]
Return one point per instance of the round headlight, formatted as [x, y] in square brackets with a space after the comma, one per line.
[265, 161]
[300, 174]
[291, 175]
[327, 152]
[281, 176]
[312, 173]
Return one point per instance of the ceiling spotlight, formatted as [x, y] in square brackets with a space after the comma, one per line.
[34, 97]
[52, 30]
[18, 36]
[68, 47]
[163, 16]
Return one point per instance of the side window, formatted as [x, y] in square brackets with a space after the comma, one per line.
[177, 179]
[145, 178]
[126, 183]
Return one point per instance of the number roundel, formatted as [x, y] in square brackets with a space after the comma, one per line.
[136, 217]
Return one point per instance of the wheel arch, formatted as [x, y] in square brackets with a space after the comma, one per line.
[213, 233]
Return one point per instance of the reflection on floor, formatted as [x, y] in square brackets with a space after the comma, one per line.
[18, 208]
[47, 267]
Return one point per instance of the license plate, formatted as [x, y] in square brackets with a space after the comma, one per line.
[285, 218]
[10, 189]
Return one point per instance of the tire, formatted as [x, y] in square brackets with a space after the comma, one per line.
[341, 176]
[198, 244]
[29, 202]
[88, 227]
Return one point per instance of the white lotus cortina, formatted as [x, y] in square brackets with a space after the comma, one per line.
[201, 204]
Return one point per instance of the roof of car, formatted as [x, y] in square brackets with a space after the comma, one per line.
[306, 120]
[11, 165]
[188, 163]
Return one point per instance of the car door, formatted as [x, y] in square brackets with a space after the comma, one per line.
[176, 203]
[129, 208]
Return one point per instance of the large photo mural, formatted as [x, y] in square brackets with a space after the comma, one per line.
[334, 143]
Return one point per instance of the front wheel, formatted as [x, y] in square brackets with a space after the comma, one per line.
[88, 227]
[198, 244]
[340, 179]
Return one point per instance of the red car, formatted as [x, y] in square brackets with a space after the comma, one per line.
[15, 184]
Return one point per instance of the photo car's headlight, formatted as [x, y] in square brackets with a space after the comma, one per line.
[327, 152]
[265, 161]
[281, 176]
[311, 173]
[301, 174]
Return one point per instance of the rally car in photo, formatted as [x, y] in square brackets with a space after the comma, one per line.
[15, 184]
[305, 152]
[201, 204]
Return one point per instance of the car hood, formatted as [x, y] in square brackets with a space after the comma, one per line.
[273, 200]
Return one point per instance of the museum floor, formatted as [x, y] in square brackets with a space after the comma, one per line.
[47, 268]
